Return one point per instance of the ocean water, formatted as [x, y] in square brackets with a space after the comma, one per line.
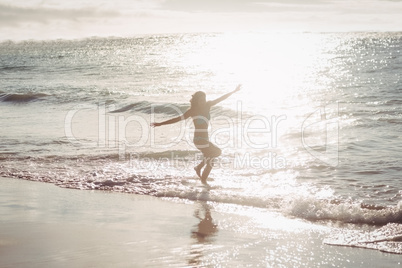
[314, 134]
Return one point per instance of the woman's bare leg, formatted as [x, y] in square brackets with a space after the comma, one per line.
[199, 167]
[210, 153]
[206, 171]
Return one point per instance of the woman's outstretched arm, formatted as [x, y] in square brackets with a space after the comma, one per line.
[184, 116]
[224, 97]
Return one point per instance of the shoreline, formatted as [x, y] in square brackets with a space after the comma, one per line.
[43, 225]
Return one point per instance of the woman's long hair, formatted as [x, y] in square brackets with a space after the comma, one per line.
[199, 99]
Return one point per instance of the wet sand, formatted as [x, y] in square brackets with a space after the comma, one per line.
[42, 225]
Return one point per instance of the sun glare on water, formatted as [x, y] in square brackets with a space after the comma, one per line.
[272, 67]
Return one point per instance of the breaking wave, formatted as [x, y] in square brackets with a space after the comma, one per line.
[21, 98]
[107, 173]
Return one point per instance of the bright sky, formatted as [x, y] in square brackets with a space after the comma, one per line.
[52, 19]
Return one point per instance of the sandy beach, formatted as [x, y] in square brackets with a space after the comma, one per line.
[43, 225]
[46, 226]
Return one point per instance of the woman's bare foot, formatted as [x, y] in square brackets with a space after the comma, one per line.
[204, 181]
[198, 171]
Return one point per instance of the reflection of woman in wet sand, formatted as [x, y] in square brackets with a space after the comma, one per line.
[200, 113]
[206, 228]
[203, 234]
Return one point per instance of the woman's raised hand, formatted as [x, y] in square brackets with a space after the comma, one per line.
[155, 124]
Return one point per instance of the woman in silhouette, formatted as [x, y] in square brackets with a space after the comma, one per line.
[200, 113]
